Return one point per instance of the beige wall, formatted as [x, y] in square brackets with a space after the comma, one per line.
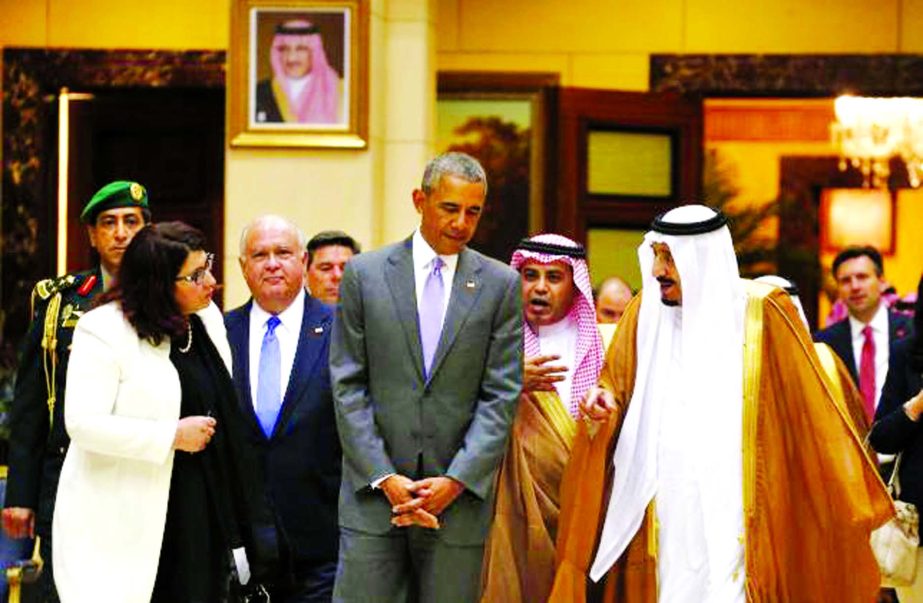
[366, 193]
[606, 43]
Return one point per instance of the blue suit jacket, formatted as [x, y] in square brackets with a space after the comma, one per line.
[302, 459]
[839, 337]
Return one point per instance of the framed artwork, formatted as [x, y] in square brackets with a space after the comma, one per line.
[503, 120]
[298, 73]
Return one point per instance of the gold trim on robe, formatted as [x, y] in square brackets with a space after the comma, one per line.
[844, 390]
[278, 93]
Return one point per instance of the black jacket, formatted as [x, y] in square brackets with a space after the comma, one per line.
[37, 444]
[893, 431]
[839, 337]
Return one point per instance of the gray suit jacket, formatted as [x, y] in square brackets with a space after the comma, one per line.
[391, 420]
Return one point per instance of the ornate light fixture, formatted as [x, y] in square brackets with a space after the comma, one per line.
[868, 132]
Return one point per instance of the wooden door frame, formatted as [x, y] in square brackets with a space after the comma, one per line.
[576, 209]
[32, 79]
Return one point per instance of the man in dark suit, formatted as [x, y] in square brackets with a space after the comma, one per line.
[38, 440]
[280, 344]
[426, 362]
[864, 340]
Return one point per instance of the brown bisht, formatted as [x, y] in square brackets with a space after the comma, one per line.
[811, 494]
[519, 555]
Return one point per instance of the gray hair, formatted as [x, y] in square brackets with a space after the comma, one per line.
[460, 165]
[265, 219]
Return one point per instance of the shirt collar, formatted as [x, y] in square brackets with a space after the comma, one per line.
[286, 317]
[879, 322]
[106, 276]
[423, 254]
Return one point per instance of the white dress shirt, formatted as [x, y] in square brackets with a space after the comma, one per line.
[297, 86]
[561, 339]
[287, 332]
[423, 256]
[880, 335]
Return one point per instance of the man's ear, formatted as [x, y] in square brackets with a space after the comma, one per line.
[419, 198]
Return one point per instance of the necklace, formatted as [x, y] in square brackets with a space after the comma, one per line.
[188, 345]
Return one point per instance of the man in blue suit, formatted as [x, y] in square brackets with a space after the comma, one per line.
[280, 344]
[426, 362]
[864, 340]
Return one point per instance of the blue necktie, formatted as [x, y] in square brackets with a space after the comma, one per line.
[268, 392]
[432, 307]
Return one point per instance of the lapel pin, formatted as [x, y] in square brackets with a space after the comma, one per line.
[318, 330]
[469, 284]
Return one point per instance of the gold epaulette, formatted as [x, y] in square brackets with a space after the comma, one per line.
[50, 290]
[45, 289]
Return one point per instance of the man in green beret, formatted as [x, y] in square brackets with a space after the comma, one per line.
[38, 440]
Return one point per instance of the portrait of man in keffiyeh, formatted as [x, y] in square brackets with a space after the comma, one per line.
[563, 357]
[304, 88]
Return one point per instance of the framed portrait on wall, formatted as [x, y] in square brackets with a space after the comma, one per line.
[298, 73]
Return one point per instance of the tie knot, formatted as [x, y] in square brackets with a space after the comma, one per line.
[437, 265]
[272, 323]
[867, 331]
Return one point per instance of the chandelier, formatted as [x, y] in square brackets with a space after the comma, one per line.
[868, 132]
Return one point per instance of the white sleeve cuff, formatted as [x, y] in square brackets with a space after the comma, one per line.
[242, 564]
[377, 483]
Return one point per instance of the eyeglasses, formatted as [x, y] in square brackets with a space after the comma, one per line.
[199, 275]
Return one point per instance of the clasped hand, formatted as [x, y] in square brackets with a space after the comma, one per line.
[420, 502]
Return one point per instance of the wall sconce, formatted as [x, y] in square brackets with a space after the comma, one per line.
[857, 216]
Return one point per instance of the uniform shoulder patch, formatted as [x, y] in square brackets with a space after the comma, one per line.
[45, 288]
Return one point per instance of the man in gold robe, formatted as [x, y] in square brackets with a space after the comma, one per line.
[719, 468]
[563, 356]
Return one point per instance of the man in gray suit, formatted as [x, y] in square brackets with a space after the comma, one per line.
[426, 363]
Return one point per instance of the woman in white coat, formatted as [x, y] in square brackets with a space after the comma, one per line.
[158, 494]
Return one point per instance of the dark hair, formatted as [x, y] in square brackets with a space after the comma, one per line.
[857, 251]
[147, 278]
[916, 348]
[331, 237]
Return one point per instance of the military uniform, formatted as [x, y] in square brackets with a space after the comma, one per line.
[38, 441]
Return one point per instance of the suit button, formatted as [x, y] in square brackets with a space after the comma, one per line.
[61, 450]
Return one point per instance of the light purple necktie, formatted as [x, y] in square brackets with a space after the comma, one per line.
[432, 306]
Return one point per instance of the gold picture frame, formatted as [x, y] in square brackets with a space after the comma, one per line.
[298, 73]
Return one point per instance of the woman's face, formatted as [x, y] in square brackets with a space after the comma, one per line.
[195, 284]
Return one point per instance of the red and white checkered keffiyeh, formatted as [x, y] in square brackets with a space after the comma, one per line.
[590, 354]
